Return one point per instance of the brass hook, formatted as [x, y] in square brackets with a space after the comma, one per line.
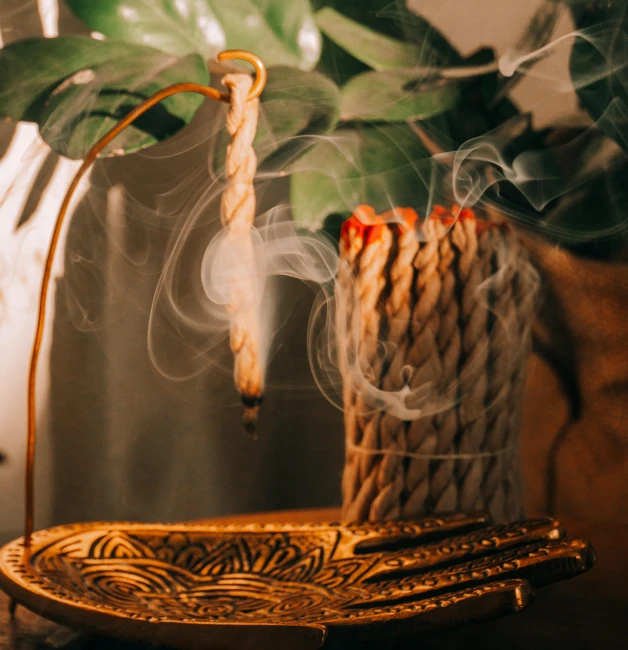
[92, 154]
[260, 70]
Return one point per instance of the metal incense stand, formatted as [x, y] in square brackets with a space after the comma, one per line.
[269, 586]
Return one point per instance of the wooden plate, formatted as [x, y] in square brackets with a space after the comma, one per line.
[288, 586]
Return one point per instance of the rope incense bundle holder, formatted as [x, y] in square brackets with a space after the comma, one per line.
[452, 301]
[268, 586]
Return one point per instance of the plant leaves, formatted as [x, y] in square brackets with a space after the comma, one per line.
[282, 33]
[338, 64]
[31, 69]
[394, 18]
[176, 27]
[382, 166]
[396, 96]
[476, 113]
[376, 50]
[295, 104]
[598, 66]
[88, 104]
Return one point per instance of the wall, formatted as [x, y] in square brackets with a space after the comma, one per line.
[32, 184]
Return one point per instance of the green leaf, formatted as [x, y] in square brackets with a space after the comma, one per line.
[598, 66]
[31, 69]
[294, 105]
[85, 106]
[178, 27]
[381, 166]
[394, 18]
[376, 50]
[338, 64]
[396, 96]
[282, 33]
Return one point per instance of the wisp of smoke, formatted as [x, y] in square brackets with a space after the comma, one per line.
[189, 322]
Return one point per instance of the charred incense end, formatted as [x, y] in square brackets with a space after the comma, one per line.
[250, 414]
[249, 421]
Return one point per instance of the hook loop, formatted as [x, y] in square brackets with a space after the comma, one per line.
[260, 69]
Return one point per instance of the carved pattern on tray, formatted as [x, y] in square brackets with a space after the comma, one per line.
[312, 573]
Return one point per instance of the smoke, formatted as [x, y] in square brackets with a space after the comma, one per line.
[541, 175]
[189, 323]
[607, 42]
[534, 176]
[541, 171]
[399, 379]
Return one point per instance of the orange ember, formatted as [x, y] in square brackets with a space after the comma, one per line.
[365, 226]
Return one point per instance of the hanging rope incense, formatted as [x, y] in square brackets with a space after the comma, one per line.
[237, 213]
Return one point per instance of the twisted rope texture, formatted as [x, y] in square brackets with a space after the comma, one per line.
[237, 214]
[456, 309]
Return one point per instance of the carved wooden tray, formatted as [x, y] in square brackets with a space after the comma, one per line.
[275, 586]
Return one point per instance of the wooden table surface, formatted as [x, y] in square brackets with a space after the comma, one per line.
[589, 612]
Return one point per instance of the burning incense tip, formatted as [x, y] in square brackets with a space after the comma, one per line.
[250, 414]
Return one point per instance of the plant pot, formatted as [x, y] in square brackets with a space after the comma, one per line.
[433, 326]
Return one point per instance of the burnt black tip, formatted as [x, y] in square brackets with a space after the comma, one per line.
[250, 401]
[250, 429]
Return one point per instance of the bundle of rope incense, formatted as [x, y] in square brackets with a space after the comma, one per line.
[237, 215]
[365, 245]
[443, 493]
[351, 243]
[454, 301]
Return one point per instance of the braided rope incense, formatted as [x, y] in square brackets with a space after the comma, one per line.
[237, 214]
[424, 359]
[351, 245]
[370, 281]
[443, 493]
[386, 473]
[504, 315]
[456, 314]
[472, 373]
[90, 157]
[525, 285]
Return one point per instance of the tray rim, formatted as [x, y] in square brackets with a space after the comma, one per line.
[507, 596]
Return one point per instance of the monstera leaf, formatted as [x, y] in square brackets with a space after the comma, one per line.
[31, 69]
[177, 27]
[381, 166]
[282, 33]
[295, 106]
[76, 90]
